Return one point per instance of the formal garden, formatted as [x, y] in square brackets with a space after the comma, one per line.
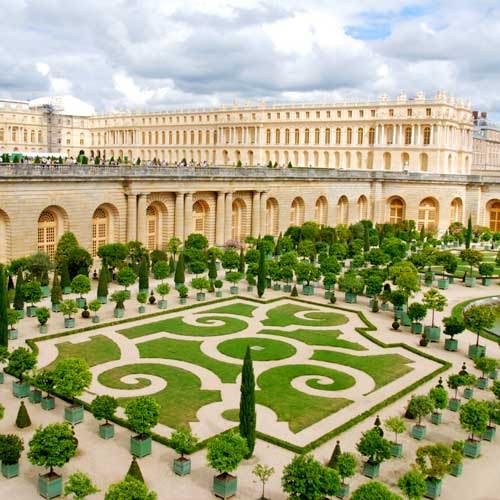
[295, 342]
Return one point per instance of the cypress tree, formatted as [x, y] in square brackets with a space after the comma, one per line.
[248, 418]
[468, 233]
[143, 274]
[180, 274]
[10, 283]
[277, 248]
[335, 456]
[135, 471]
[4, 304]
[65, 279]
[261, 273]
[102, 285]
[19, 295]
[422, 234]
[23, 419]
[241, 267]
[366, 238]
[171, 264]
[56, 292]
[212, 269]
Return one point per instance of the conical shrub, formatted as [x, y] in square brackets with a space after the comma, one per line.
[335, 456]
[23, 419]
[135, 471]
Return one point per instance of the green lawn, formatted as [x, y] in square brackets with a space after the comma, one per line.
[189, 351]
[260, 349]
[95, 351]
[301, 410]
[176, 325]
[284, 315]
[180, 400]
[238, 308]
[383, 368]
[317, 337]
[233, 415]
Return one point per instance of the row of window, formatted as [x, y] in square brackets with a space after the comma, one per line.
[15, 134]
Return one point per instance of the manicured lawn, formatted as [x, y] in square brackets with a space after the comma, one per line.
[260, 349]
[176, 325]
[301, 410]
[383, 368]
[233, 415]
[284, 315]
[317, 337]
[238, 308]
[180, 400]
[95, 351]
[189, 351]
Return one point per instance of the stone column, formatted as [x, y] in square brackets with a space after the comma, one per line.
[263, 215]
[142, 206]
[256, 214]
[228, 219]
[179, 215]
[219, 220]
[131, 217]
[188, 214]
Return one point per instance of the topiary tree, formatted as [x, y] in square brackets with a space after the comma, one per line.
[126, 277]
[474, 418]
[23, 419]
[56, 292]
[261, 272]
[434, 301]
[183, 441]
[479, 318]
[346, 466]
[163, 289]
[225, 452]
[373, 490]
[128, 489]
[161, 269]
[412, 484]
[32, 292]
[134, 471]
[396, 425]
[104, 407]
[143, 413]
[263, 473]
[102, 285]
[305, 478]
[144, 273]
[20, 362]
[79, 485]
[420, 406]
[71, 377]
[439, 397]
[11, 447]
[68, 307]
[453, 325]
[335, 456]
[19, 295]
[247, 415]
[374, 447]
[94, 306]
[486, 365]
[119, 299]
[434, 461]
[80, 284]
[230, 260]
[180, 272]
[417, 312]
[472, 257]
[200, 284]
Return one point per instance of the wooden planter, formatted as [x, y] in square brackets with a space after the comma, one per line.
[470, 282]
[472, 448]
[31, 311]
[20, 389]
[2, 377]
[73, 414]
[451, 344]
[162, 304]
[456, 469]
[476, 351]
[35, 396]
[103, 300]
[454, 404]
[396, 449]
[436, 418]
[489, 433]
[48, 403]
[350, 298]
[182, 466]
[182, 300]
[69, 322]
[308, 290]
[50, 485]
[443, 283]
[343, 491]
[66, 290]
[218, 294]
[468, 393]
[45, 291]
[418, 432]
[225, 485]
[486, 281]
[95, 319]
[10, 470]
[118, 313]
[417, 328]
[141, 309]
[433, 488]
[106, 431]
[81, 302]
[43, 328]
[12, 333]
[276, 287]
[56, 308]
[494, 374]
[482, 383]
[234, 290]
[140, 446]
[406, 319]
[371, 470]
[287, 288]
[200, 296]
[433, 333]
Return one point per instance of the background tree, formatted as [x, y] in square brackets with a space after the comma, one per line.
[80, 486]
[18, 295]
[434, 301]
[472, 257]
[144, 273]
[143, 413]
[412, 484]
[67, 242]
[104, 407]
[71, 377]
[65, 278]
[102, 285]
[80, 284]
[261, 274]
[479, 318]
[226, 451]
[128, 489]
[32, 292]
[68, 307]
[4, 305]
[56, 292]
[248, 417]
[180, 277]
[126, 277]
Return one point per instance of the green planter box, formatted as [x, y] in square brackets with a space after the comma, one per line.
[182, 466]
[308, 290]
[472, 449]
[31, 311]
[457, 469]
[73, 414]
[103, 300]
[468, 393]
[56, 308]
[276, 287]
[66, 290]
[162, 304]
[428, 283]
[140, 446]
[218, 294]
[20, 389]
[35, 396]
[10, 470]
[418, 432]
[50, 485]
[225, 485]
[443, 283]
[343, 491]
[417, 328]
[118, 313]
[200, 296]
[396, 449]
[12, 333]
[141, 309]
[2, 377]
[436, 418]
[486, 281]
[398, 313]
[371, 470]
[384, 306]
[95, 319]
[287, 288]
[182, 300]
[45, 291]
[106, 431]
[493, 374]
[433, 333]
[433, 488]
[406, 319]
[81, 302]
[350, 298]
[48, 403]
[489, 433]
[482, 383]
[69, 322]
[250, 288]
[476, 351]
[451, 279]
[454, 404]
[43, 328]
[234, 290]
[470, 282]
[451, 344]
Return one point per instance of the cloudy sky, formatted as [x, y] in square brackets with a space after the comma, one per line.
[163, 54]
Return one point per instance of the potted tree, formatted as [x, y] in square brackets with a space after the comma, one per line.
[473, 258]
[455, 382]
[412, 484]
[80, 284]
[32, 292]
[20, 362]
[263, 473]
[372, 490]
[352, 285]
[470, 381]
[56, 293]
[234, 277]
[126, 277]
[163, 289]
[434, 301]
[119, 297]
[398, 426]
[102, 285]
[44, 380]
[218, 289]
[224, 454]
[287, 277]
[4, 357]
[142, 298]
[11, 447]
[493, 409]
[184, 443]
[457, 458]
[474, 418]
[346, 467]
[103, 408]
[307, 272]
[420, 406]
[69, 307]
[80, 486]
[434, 461]
[13, 316]
[143, 414]
[52, 446]
[43, 315]
[417, 312]
[486, 270]
[329, 281]
[477, 319]
[94, 306]
[376, 449]
[485, 366]
[398, 299]
[439, 397]
[453, 325]
[201, 284]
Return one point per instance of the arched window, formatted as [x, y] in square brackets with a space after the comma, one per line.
[200, 217]
[272, 217]
[268, 136]
[25, 135]
[360, 135]
[427, 214]
[170, 137]
[287, 136]
[200, 137]
[427, 135]
[207, 136]
[408, 135]
[362, 208]
[306, 136]
[450, 164]
[348, 160]
[100, 230]
[156, 137]
[39, 136]
[349, 136]
[456, 210]
[396, 210]
[297, 212]
[387, 161]
[191, 137]
[343, 210]
[150, 139]
[152, 227]
[494, 214]
[327, 136]
[316, 136]
[177, 137]
[184, 137]
[321, 211]
[338, 135]
[277, 135]
[359, 161]
[371, 136]
[405, 160]
[424, 162]
[5, 240]
[163, 137]
[47, 233]
[297, 136]
[239, 220]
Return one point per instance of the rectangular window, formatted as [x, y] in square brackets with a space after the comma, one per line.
[349, 114]
[409, 112]
[428, 112]
[318, 114]
[361, 113]
[391, 112]
[372, 112]
[339, 114]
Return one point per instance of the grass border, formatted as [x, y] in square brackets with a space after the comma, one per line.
[363, 331]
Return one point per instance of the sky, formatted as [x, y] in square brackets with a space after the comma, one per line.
[172, 54]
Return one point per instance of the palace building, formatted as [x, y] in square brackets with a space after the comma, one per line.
[389, 160]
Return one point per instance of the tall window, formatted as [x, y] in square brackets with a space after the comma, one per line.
[494, 213]
[396, 210]
[427, 135]
[47, 229]
[456, 210]
[349, 136]
[371, 136]
[287, 136]
[268, 136]
[408, 135]
[152, 227]
[306, 136]
[297, 136]
[278, 136]
[272, 216]
[360, 135]
[427, 214]
[191, 137]
[327, 136]
[316, 136]
[321, 210]
[343, 210]
[362, 208]
[338, 136]
[297, 212]
[200, 213]
[100, 230]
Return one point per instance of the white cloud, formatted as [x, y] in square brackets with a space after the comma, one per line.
[43, 68]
